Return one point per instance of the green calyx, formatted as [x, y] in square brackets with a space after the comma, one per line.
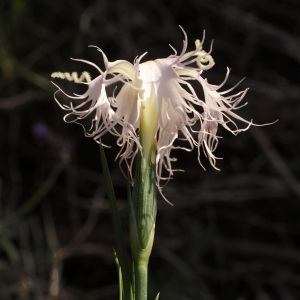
[144, 202]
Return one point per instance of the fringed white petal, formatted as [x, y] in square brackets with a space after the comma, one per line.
[171, 82]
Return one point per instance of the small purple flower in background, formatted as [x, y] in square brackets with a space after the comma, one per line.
[41, 131]
[56, 145]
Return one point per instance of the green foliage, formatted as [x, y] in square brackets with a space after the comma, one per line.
[122, 261]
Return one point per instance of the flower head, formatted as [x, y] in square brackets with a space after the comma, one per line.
[157, 103]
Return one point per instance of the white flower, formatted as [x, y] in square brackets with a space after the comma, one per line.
[158, 100]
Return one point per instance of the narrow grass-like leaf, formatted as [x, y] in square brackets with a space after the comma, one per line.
[121, 291]
[10, 250]
[121, 249]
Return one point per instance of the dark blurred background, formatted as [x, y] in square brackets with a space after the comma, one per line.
[233, 234]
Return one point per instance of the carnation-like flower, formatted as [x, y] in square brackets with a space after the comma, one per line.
[157, 103]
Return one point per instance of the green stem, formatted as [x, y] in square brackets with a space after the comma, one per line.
[141, 261]
[141, 280]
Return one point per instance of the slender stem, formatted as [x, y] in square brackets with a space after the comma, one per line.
[141, 280]
[141, 261]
